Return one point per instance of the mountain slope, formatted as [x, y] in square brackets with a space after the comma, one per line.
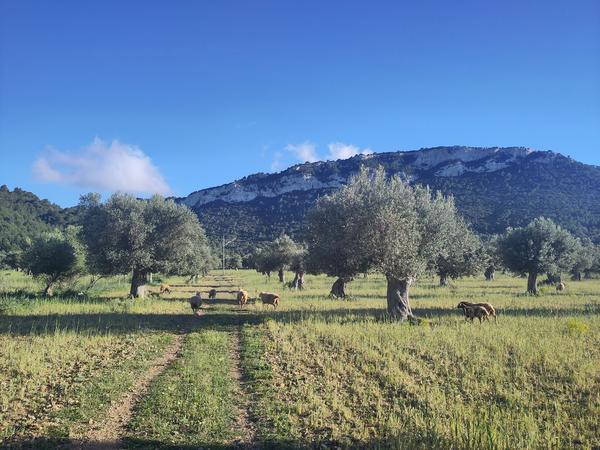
[24, 216]
[493, 188]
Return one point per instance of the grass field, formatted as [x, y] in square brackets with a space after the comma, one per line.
[315, 373]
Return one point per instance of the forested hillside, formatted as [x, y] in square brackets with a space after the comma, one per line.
[23, 216]
[493, 189]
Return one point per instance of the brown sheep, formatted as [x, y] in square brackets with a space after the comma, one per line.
[242, 297]
[560, 287]
[488, 306]
[165, 289]
[474, 311]
[269, 299]
[196, 302]
[212, 294]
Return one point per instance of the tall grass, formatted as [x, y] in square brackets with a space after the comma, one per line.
[335, 373]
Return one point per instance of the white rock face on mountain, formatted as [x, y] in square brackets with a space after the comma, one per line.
[244, 192]
[447, 162]
[429, 158]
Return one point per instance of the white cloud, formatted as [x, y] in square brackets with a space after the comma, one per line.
[304, 152]
[114, 167]
[339, 150]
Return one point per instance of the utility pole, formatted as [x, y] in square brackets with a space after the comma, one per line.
[224, 244]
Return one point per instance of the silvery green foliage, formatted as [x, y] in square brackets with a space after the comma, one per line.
[584, 258]
[279, 254]
[463, 256]
[157, 235]
[383, 224]
[55, 257]
[336, 232]
[407, 228]
[540, 247]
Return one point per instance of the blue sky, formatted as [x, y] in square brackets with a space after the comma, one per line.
[178, 96]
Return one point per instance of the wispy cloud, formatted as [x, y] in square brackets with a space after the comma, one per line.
[305, 151]
[339, 150]
[106, 167]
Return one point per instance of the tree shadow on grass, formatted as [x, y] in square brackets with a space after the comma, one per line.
[126, 322]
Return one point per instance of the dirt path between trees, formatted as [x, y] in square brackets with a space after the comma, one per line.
[245, 427]
[112, 430]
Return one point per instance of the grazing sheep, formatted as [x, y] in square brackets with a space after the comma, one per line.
[474, 311]
[165, 289]
[560, 287]
[269, 299]
[242, 297]
[488, 306]
[196, 302]
[212, 294]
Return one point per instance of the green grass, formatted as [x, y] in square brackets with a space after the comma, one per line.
[192, 403]
[319, 371]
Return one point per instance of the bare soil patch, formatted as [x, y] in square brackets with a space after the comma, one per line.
[109, 434]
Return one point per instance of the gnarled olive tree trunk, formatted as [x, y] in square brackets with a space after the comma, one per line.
[338, 290]
[138, 281]
[298, 281]
[398, 305]
[532, 283]
[281, 275]
[444, 281]
[49, 290]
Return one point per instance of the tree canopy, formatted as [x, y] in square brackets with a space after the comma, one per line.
[390, 227]
[126, 234]
[55, 257]
[462, 256]
[278, 255]
[540, 247]
[335, 226]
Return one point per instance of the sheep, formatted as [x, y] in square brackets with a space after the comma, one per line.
[212, 294]
[474, 311]
[269, 299]
[196, 302]
[488, 306]
[242, 297]
[165, 289]
[560, 287]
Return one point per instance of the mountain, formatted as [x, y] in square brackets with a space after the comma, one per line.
[493, 188]
[24, 216]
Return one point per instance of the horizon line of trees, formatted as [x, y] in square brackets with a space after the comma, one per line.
[380, 224]
[373, 224]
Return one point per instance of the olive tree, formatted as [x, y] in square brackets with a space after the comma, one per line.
[262, 262]
[128, 235]
[462, 256]
[394, 229]
[335, 225]
[278, 255]
[408, 231]
[595, 267]
[55, 257]
[298, 266]
[540, 247]
[584, 259]
[492, 259]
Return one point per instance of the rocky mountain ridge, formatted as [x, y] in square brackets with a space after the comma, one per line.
[493, 188]
[443, 161]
